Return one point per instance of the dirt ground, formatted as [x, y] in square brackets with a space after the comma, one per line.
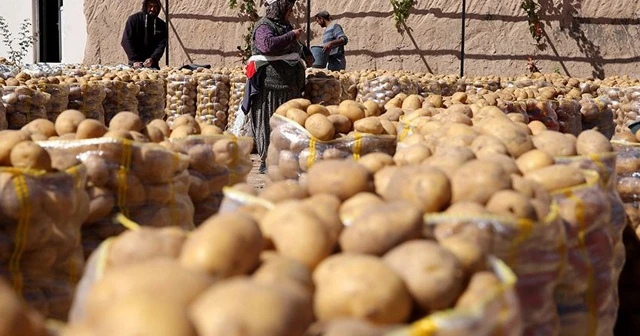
[255, 179]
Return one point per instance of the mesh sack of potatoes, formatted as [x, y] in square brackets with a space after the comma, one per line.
[293, 149]
[542, 111]
[42, 212]
[144, 181]
[587, 296]
[8, 71]
[597, 114]
[349, 86]
[324, 89]
[120, 96]
[18, 317]
[182, 94]
[41, 70]
[628, 181]
[238, 81]
[213, 99]
[23, 105]
[87, 96]
[214, 162]
[384, 88]
[59, 93]
[151, 98]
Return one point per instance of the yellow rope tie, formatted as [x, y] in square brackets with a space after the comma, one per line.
[125, 166]
[312, 153]
[22, 231]
[357, 146]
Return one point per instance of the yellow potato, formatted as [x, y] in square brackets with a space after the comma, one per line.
[340, 123]
[478, 180]
[371, 109]
[352, 110]
[402, 186]
[126, 121]
[512, 203]
[592, 142]
[297, 115]
[534, 160]
[340, 178]
[28, 154]
[320, 127]
[555, 143]
[68, 121]
[556, 177]
[374, 162]
[370, 125]
[8, 140]
[317, 109]
[91, 129]
[41, 127]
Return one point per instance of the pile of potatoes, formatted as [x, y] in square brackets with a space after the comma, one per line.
[213, 99]
[58, 91]
[121, 94]
[303, 133]
[17, 317]
[23, 105]
[295, 269]
[181, 95]
[238, 82]
[143, 180]
[215, 161]
[323, 89]
[87, 96]
[43, 209]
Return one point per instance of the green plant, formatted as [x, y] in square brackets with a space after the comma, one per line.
[401, 11]
[246, 10]
[25, 40]
[531, 8]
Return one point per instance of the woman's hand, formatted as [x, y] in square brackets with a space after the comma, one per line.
[298, 32]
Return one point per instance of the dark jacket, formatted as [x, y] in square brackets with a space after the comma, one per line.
[145, 36]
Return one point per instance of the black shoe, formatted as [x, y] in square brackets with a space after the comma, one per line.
[263, 168]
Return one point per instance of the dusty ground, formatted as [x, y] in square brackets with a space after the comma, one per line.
[255, 179]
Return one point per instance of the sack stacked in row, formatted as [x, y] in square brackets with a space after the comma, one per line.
[43, 209]
[303, 134]
[238, 83]
[181, 95]
[213, 99]
[121, 94]
[58, 91]
[381, 87]
[151, 98]
[323, 89]
[23, 105]
[87, 97]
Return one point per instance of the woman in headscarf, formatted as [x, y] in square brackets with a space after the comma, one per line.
[275, 72]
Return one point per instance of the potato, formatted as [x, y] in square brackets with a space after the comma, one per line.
[534, 160]
[555, 143]
[141, 280]
[284, 190]
[459, 97]
[279, 270]
[326, 208]
[362, 287]
[150, 315]
[289, 219]
[340, 123]
[126, 121]
[371, 109]
[340, 178]
[118, 135]
[379, 229]
[210, 130]
[414, 154]
[393, 114]
[512, 203]
[134, 247]
[508, 164]
[374, 162]
[472, 257]
[352, 110]
[537, 127]
[91, 129]
[297, 115]
[320, 127]
[8, 140]
[300, 103]
[481, 285]
[318, 109]
[223, 246]
[358, 205]
[433, 275]
[518, 118]
[243, 307]
[371, 125]
[467, 208]
[515, 139]
[413, 102]
[162, 126]
[183, 131]
[68, 121]
[478, 180]
[41, 127]
[154, 134]
[186, 120]
[592, 142]
[556, 177]
[487, 144]
[28, 154]
[403, 184]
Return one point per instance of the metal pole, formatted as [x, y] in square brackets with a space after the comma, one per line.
[308, 23]
[166, 8]
[464, 16]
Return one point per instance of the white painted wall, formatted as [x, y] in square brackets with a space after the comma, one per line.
[14, 12]
[74, 31]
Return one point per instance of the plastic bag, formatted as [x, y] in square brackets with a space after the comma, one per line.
[293, 150]
[542, 111]
[23, 105]
[569, 116]
[146, 182]
[498, 314]
[87, 97]
[181, 96]
[596, 114]
[42, 214]
[213, 99]
[384, 88]
[238, 83]
[232, 165]
[59, 101]
[119, 96]
[533, 250]
[323, 89]
[586, 296]
[151, 99]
